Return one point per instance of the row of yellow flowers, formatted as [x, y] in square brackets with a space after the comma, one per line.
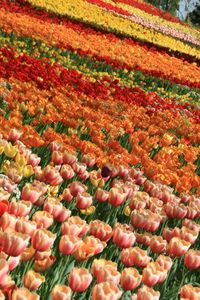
[96, 16]
[158, 20]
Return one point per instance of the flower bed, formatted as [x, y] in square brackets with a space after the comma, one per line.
[99, 162]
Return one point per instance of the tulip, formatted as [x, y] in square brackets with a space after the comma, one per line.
[13, 243]
[25, 226]
[54, 146]
[79, 279]
[158, 244]
[44, 264]
[101, 195]
[27, 254]
[153, 274]
[42, 240]
[2, 297]
[23, 293]
[67, 172]
[101, 263]
[100, 230]
[123, 236]
[88, 160]
[90, 246]
[69, 244]
[13, 262]
[52, 175]
[14, 135]
[178, 247]
[33, 160]
[106, 291]
[7, 221]
[69, 158]
[108, 273]
[33, 280]
[143, 238]
[130, 279]
[190, 292]
[10, 150]
[189, 235]
[61, 292]
[66, 195]
[20, 208]
[191, 225]
[56, 209]
[79, 168]
[57, 157]
[30, 193]
[192, 259]
[43, 219]
[83, 201]
[74, 226]
[175, 211]
[165, 262]
[147, 293]
[4, 268]
[134, 256]
[76, 188]
[116, 196]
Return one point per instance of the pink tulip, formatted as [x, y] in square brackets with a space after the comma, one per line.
[69, 244]
[14, 134]
[74, 226]
[116, 196]
[20, 208]
[88, 160]
[67, 172]
[69, 158]
[56, 209]
[147, 293]
[192, 259]
[108, 274]
[43, 219]
[7, 221]
[13, 243]
[33, 160]
[30, 193]
[101, 230]
[101, 195]
[79, 279]
[123, 236]
[76, 188]
[42, 240]
[25, 226]
[130, 279]
[33, 280]
[4, 268]
[57, 157]
[66, 195]
[61, 292]
[106, 291]
[83, 201]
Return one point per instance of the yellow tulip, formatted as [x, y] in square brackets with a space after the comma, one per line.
[28, 171]
[10, 150]
[20, 160]
[89, 211]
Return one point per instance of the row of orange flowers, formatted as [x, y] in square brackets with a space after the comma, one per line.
[103, 45]
[165, 166]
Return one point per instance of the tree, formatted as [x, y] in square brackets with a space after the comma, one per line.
[195, 16]
[167, 5]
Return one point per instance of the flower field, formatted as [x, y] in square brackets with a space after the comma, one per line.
[99, 152]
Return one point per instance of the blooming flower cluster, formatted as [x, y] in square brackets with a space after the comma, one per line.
[99, 153]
